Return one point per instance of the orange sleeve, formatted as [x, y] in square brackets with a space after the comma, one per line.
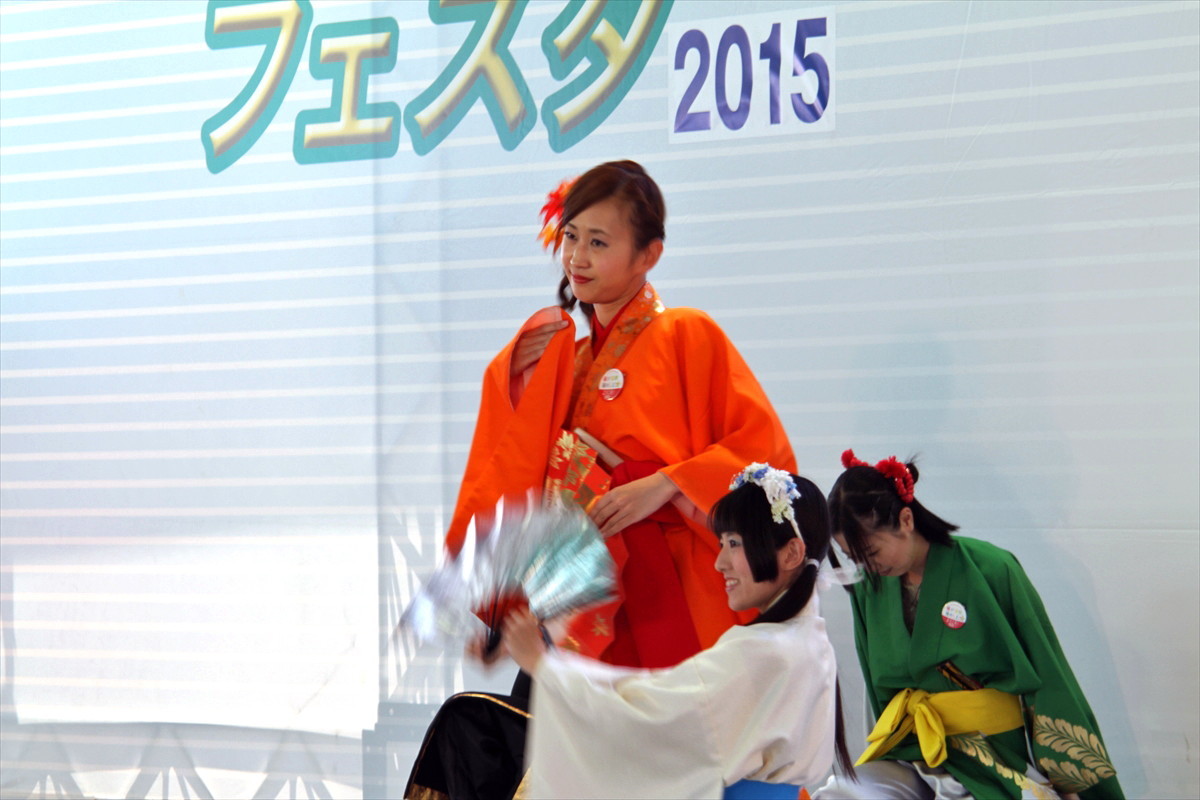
[512, 442]
[729, 417]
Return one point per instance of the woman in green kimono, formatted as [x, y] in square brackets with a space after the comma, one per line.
[971, 690]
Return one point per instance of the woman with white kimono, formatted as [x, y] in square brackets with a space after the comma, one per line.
[760, 704]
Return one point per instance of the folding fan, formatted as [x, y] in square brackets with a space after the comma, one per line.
[551, 558]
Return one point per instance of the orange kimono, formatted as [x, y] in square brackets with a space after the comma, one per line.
[689, 407]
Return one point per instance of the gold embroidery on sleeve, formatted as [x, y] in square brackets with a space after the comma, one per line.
[977, 747]
[1079, 745]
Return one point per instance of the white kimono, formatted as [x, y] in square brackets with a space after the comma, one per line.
[758, 704]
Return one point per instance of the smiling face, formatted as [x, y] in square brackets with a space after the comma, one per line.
[601, 260]
[743, 591]
[900, 550]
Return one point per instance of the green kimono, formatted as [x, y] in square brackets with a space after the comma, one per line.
[978, 610]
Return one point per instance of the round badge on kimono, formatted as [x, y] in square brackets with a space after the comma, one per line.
[954, 614]
[611, 384]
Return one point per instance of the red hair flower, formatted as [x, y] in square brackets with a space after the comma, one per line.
[552, 213]
[849, 460]
[898, 472]
[891, 467]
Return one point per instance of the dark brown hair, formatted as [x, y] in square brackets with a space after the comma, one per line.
[621, 180]
[863, 499]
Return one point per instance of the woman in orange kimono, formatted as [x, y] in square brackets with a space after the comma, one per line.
[670, 409]
[661, 391]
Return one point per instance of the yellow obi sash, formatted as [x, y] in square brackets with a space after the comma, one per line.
[938, 715]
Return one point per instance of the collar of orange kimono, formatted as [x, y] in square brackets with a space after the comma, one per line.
[643, 309]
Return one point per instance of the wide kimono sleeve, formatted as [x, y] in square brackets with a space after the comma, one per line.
[512, 440]
[729, 418]
[755, 705]
[862, 648]
[1064, 738]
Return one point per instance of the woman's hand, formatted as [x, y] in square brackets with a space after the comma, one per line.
[523, 639]
[477, 650]
[531, 344]
[632, 502]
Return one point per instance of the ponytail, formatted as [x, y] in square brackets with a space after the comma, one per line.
[743, 510]
[567, 300]
[789, 605]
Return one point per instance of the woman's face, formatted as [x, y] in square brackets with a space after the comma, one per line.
[600, 257]
[899, 550]
[743, 591]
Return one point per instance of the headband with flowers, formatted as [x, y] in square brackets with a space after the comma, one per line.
[552, 212]
[891, 467]
[778, 486]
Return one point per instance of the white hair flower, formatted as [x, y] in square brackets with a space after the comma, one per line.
[778, 486]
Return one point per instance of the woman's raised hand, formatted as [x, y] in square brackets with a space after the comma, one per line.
[531, 344]
[632, 502]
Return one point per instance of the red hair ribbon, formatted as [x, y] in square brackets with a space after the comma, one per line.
[552, 212]
[891, 467]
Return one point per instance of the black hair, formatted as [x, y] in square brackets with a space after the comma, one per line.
[746, 512]
[864, 499]
[628, 182]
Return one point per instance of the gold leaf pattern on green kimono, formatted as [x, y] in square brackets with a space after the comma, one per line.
[1078, 744]
[977, 747]
[974, 745]
[1067, 777]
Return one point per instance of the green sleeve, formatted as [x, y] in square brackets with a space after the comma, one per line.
[1063, 735]
[860, 645]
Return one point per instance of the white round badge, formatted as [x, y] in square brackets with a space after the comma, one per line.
[954, 614]
[611, 384]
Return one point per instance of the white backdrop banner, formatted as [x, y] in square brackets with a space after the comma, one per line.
[254, 257]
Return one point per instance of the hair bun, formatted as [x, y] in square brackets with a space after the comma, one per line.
[912, 470]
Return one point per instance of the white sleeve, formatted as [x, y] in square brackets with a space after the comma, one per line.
[774, 703]
[731, 712]
[602, 732]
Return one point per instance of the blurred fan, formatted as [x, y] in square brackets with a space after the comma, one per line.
[550, 558]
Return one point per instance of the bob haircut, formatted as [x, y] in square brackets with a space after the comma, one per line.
[746, 512]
